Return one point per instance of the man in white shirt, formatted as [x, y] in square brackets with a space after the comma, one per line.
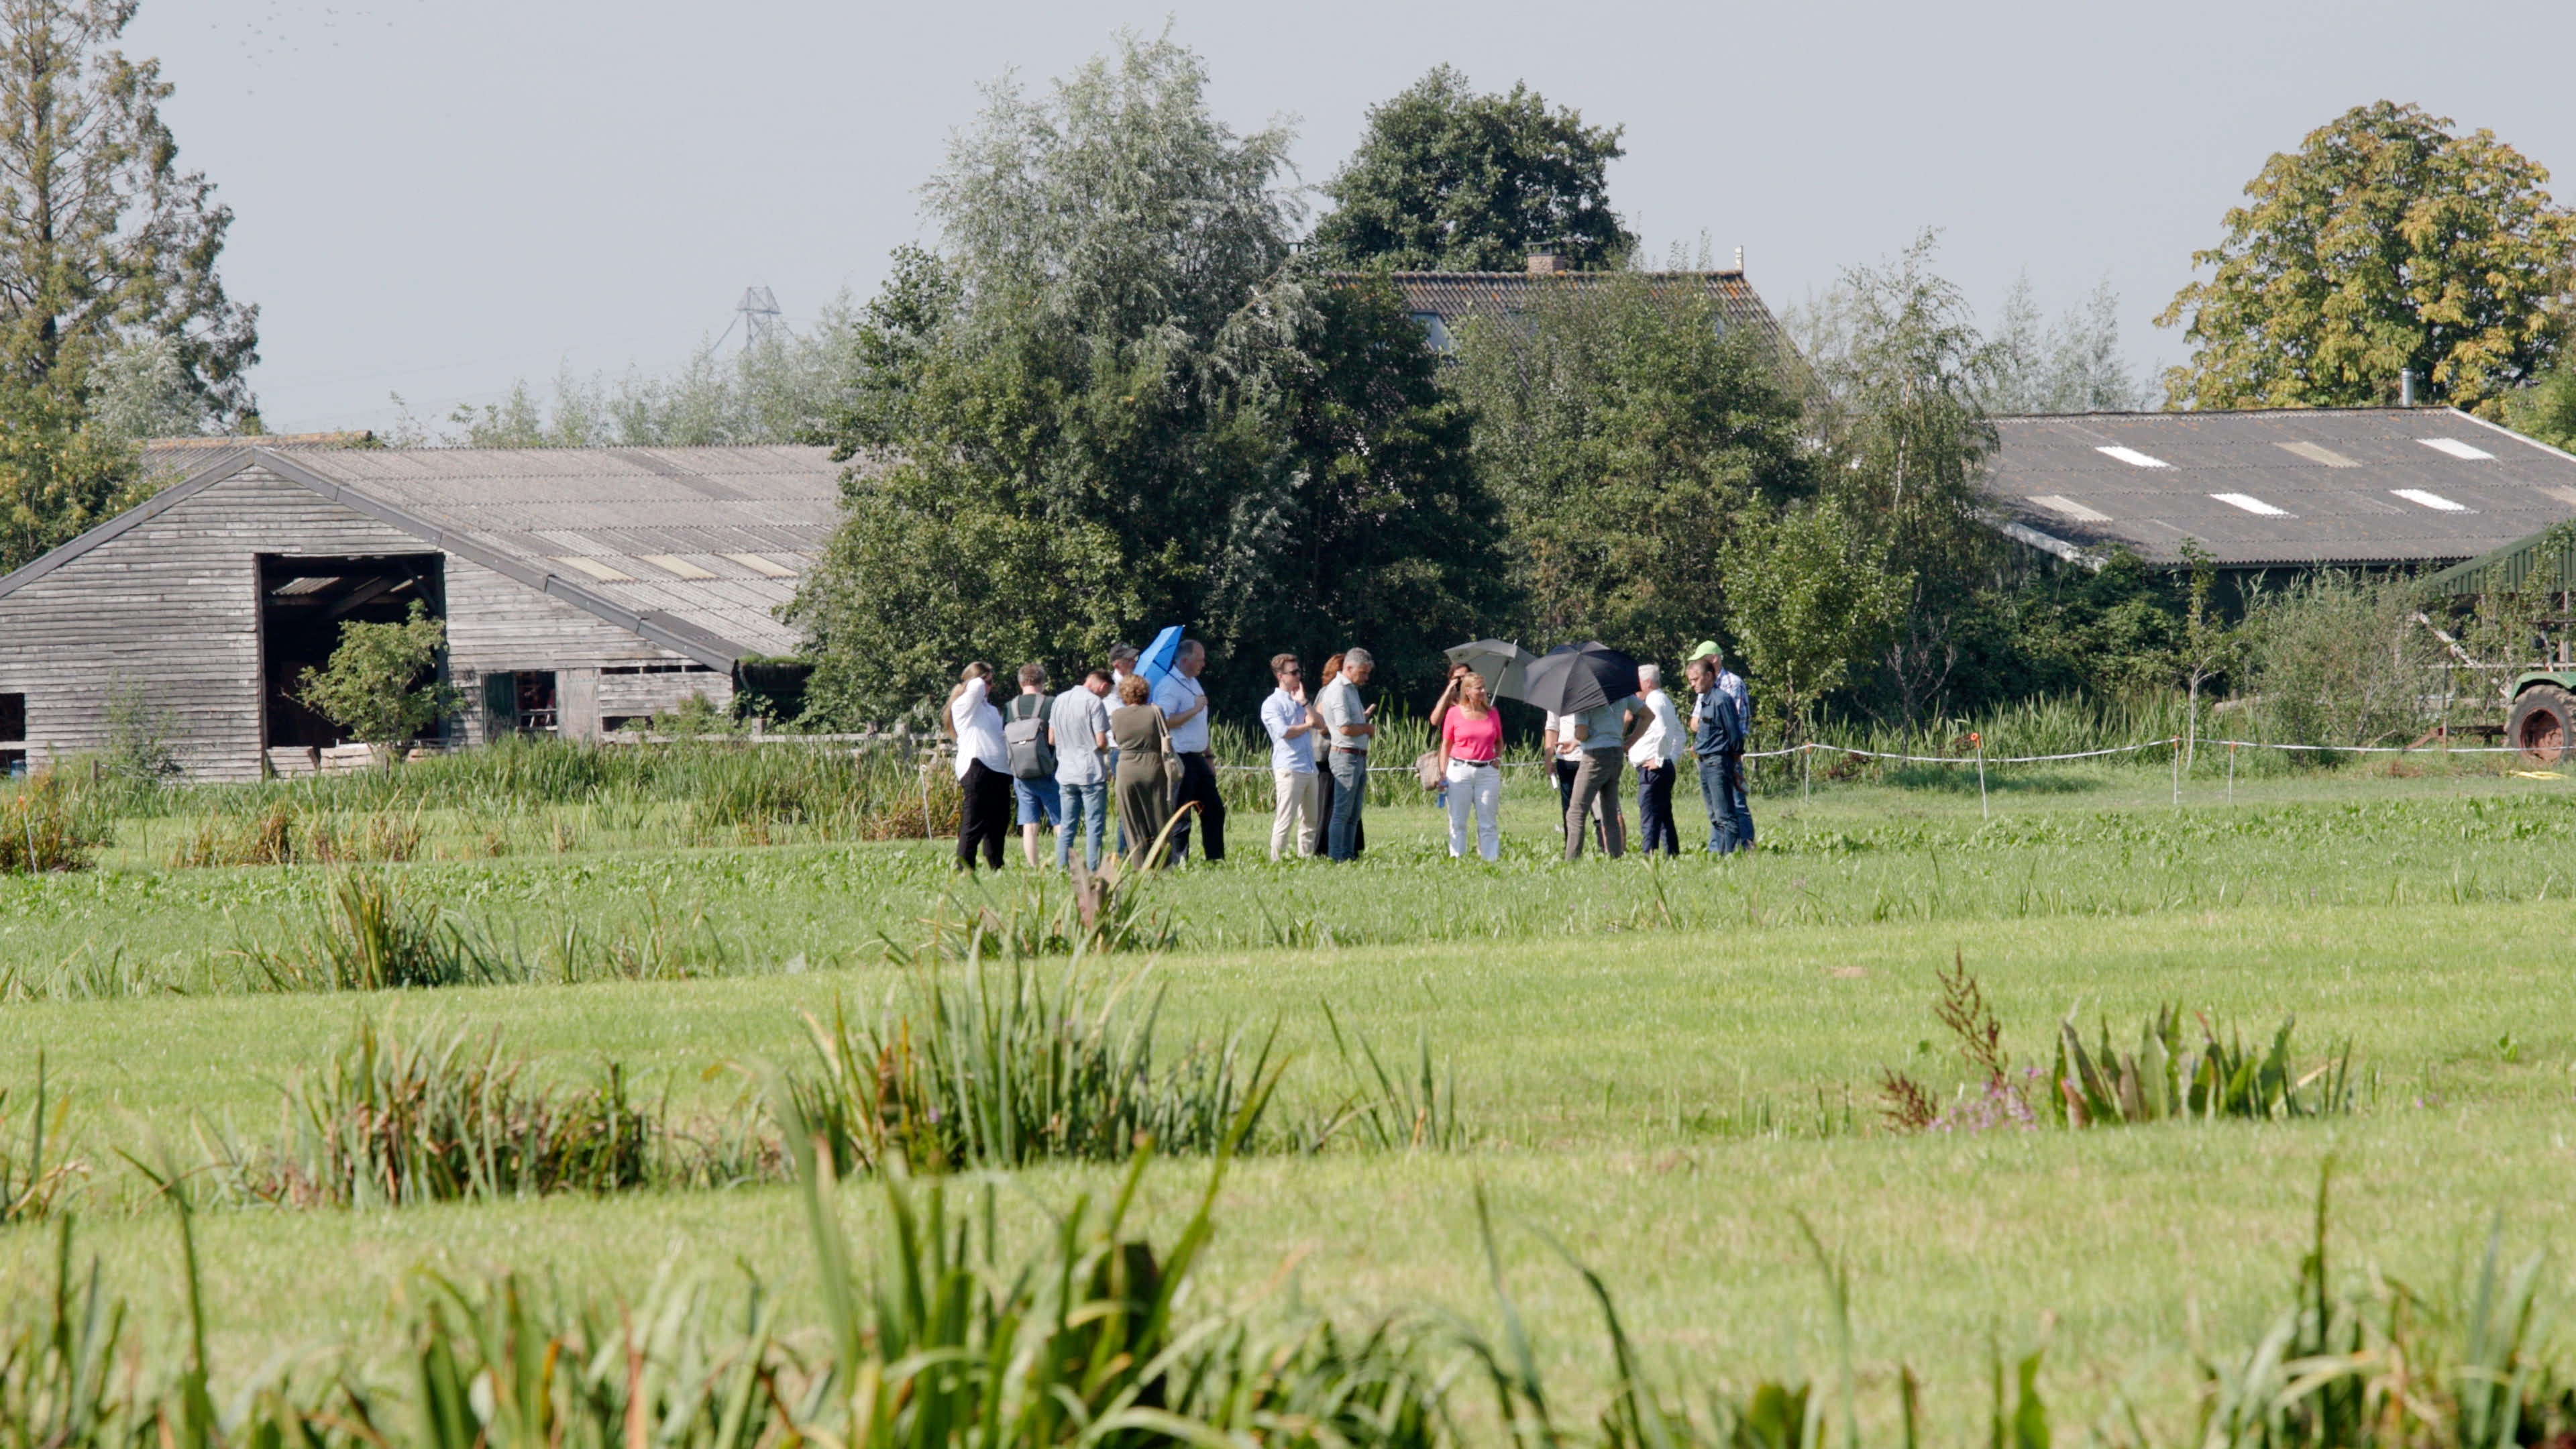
[1183, 701]
[983, 769]
[1347, 729]
[1654, 754]
[1296, 788]
[1078, 727]
[1564, 755]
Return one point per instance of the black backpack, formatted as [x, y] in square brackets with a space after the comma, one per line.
[1024, 738]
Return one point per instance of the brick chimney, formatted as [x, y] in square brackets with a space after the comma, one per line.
[1547, 264]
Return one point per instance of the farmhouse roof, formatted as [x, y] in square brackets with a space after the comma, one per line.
[2303, 487]
[692, 548]
[1454, 296]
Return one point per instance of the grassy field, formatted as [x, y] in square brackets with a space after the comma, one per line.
[1663, 1066]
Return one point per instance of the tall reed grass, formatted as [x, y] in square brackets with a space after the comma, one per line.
[373, 936]
[390, 1121]
[32, 1185]
[1094, 1340]
[48, 825]
[1000, 1069]
[2166, 1078]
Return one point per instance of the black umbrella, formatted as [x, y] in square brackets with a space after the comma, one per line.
[1499, 661]
[1572, 678]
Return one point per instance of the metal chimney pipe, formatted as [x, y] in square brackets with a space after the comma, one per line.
[2406, 387]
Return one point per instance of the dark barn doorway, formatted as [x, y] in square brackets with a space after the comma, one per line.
[302, 604]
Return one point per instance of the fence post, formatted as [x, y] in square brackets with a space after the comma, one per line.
[2231, 773]
[2177, 768]
[1984, 812]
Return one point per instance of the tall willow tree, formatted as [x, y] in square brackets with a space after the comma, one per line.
[1901, 375]
[105, 245]
[1107, 401]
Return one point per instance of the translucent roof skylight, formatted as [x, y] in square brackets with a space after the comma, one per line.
[2434, 501]
[2457, 449]
[2132, 457]
[2251, 504]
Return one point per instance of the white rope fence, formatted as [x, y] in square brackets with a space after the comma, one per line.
[2174, 742]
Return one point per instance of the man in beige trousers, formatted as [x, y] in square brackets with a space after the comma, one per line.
[1298, 789]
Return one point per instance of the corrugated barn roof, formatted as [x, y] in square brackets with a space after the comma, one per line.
[2306, 487]
[716, 538]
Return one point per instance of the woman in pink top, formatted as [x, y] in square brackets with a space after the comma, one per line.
[1471, 749]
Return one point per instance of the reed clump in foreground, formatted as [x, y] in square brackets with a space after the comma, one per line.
[1001, 1068]
[1094, 1340]
[391, 1120]
[373, 936]
[2166, 1078]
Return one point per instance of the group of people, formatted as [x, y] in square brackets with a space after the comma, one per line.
[1060, 761]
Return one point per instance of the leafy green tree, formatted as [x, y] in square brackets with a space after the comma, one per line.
[1449, 180]
[2547, 409]
[1628, 439]
[1110, 402]
[2074, 365]
[1901, 377]
[2386, 243]
[112, 319]
[373, 685]
[1387, 534]
[59, 475]
[103, 238]
[1811, 597]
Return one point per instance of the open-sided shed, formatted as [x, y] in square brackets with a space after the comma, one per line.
[581, 589]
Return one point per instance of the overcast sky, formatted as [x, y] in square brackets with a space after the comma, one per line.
[435, 197]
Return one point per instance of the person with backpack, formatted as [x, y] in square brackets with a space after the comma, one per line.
[1024, 739]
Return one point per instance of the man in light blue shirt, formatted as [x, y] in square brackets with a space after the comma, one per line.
[1184, 703]
[1296, 788]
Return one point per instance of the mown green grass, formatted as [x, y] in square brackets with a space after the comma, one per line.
[2109, 844]
[1575, 1065]
[1664, 1068]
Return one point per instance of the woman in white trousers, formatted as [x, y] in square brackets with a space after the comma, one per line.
[1471, 748]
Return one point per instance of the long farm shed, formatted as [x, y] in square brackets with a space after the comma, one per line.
[582, 589]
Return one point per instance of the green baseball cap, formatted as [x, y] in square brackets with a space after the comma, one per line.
[1704, 649]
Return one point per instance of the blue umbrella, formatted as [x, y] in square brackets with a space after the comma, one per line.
[1157, 660]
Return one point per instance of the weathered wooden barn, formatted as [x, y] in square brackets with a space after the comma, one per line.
[582, 589]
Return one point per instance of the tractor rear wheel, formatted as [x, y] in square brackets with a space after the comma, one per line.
[2543, 724]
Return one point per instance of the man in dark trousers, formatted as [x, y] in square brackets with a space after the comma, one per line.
[1184, 703]
[1718, 732]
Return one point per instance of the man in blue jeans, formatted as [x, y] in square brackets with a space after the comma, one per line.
[1717, 740]
[1346, 724]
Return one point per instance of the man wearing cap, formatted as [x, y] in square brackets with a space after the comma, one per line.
[1721, 723]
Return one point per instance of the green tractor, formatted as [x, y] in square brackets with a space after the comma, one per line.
[2542, 723]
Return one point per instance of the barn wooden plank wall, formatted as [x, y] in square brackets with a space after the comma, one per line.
[170, 610]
